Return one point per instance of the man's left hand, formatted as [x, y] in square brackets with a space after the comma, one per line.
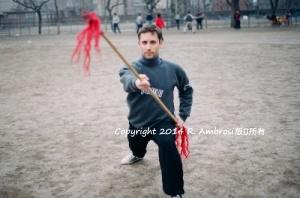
[179, 123]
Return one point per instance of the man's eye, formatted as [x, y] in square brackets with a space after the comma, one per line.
[144, 42]
[152, 42]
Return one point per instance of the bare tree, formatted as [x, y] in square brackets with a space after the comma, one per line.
[151, 5]
[109, 6]
[234, 5]
[36, 6]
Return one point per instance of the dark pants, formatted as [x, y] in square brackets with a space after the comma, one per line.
[178, 24]
[138, 27]
[116, 27]
[199, 24]
[237, 24]
[169, 158]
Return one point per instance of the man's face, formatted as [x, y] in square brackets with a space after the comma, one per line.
[149, 45]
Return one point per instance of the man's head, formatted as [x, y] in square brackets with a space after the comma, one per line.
[150, 41]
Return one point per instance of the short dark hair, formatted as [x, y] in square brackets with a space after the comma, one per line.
[153, 29]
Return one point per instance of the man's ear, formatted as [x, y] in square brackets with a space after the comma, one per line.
[161, 43]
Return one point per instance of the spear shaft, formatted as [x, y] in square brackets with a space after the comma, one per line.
[136, 74]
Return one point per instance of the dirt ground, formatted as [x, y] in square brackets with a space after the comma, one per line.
[57, 128]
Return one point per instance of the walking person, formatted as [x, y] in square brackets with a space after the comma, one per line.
[116, 21]
[161, 77]
[159, 21]
[149, 19]
[139, 22]
[288, 17]
[188, 22]
[237, 19]
[199, 19]
[177, 19]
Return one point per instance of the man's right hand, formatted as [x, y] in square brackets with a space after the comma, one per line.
[142, 83]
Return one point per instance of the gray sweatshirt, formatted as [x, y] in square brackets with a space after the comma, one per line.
[164, 76]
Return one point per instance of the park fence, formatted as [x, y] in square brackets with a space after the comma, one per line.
[74, 25]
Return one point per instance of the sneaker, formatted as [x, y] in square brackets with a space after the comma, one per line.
[176, 196]
[130, 159]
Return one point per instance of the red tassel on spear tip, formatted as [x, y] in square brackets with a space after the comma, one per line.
[93, 31]
[84, 39]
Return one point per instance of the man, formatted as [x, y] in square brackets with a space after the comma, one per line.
[199, 18]
[139, 22]
[237, 19]
[144, 113]
[149, 18]
[116, 21]
[189, 22]
[177, 19]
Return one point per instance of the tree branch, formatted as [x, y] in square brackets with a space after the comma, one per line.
[117, 4]
[43, 3]
[24, 4]
[107, 6]
[155, 3]
[276, 3]
[272, 5]
[151, 4]
[32, 3]
[229, 2]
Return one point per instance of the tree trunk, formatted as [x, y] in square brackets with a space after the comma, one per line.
[37, 8]
[235, 5]
[57, 17]
[125, 7]
[110, 19]
[274, 5]
[38, 11]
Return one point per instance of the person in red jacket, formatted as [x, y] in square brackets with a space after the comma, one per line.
[159, 21]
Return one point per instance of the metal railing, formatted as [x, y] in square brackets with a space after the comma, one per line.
[72, 27]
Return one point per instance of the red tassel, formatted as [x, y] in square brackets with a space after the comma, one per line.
[85, 37]
[182, 141]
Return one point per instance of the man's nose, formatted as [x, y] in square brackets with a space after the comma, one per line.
[148, 46]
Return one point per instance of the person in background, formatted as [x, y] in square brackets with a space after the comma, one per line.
[237, 19]
[177, 19]
[149, 19]
[159, 21]
[188, 19]
[116, 21]
[199, 19]
[288, 17]
[139, 22]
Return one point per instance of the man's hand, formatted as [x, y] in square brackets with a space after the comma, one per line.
[142, 84]
[180, 123]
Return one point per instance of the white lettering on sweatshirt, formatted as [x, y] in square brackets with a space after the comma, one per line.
[158, 92]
